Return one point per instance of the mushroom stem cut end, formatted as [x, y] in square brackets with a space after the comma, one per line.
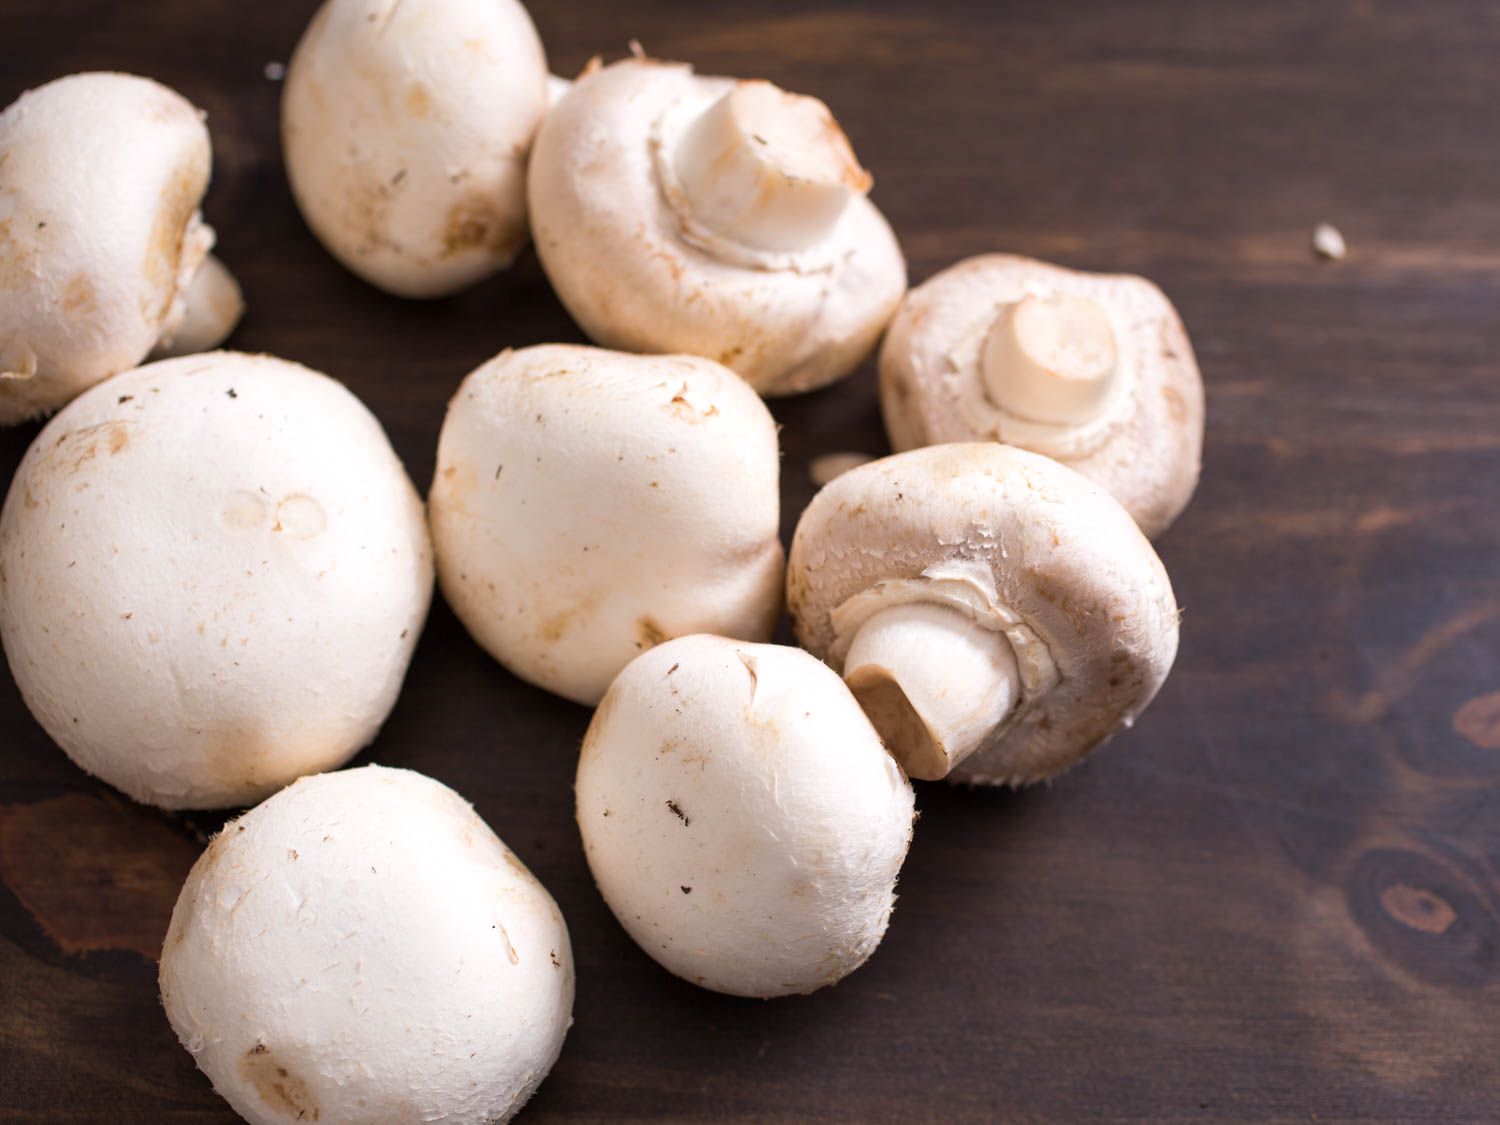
[1050, 359]
[769, 169]
[935, 683]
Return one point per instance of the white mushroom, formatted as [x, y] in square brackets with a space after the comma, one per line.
[360, 948]
[213, 571]
[589, 504]
[1093, 370]
[741, 818]
[101, 239]
[406, 126]
[997, 614]
[678, 213]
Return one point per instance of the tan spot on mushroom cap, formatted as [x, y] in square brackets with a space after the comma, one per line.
[649, 633]
[479, 222]
[278, 1087]
[552, 628]
[79, 296]
[75, 449]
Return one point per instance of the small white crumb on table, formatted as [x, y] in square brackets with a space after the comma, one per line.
[274, 71]
[1329, 242]
[830, 465]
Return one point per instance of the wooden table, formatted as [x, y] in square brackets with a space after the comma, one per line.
[1276, 897]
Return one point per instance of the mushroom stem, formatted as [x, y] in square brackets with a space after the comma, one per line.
[769, 169]
[214, 305]
[934, 682]
[1050, 359]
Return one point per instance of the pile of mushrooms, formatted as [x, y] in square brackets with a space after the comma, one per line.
[214, 569]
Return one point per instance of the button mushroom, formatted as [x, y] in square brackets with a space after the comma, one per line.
[589, 504]
[1092, 370]
[213, 571]
[997, 614]
[361, 947]
[678, 213]
[740, 816]
[101, 239]
[406, 126]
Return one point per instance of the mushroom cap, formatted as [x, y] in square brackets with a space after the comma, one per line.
[213, 571]
[1021, 542]
[589, 504]
[406, 126]
[362, 947]
[615, 250]
[1146, 446]
[100, 180]
[741, 817]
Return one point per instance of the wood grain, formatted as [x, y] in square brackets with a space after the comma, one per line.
[1279, 896]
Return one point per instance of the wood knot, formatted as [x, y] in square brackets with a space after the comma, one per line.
[1425, 916]
[1478, 721]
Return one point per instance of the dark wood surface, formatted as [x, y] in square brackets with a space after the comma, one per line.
[1278, 896]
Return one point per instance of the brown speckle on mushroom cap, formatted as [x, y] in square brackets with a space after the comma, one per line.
[1145, 443]
[1058, 553]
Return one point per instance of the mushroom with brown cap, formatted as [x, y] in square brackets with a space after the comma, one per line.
[102, 246]
[680, 213]
[997, 614]
[406, 126]
[361, 947]
[213, 572]
[1093, 370]
[589, 504]
[740, 816]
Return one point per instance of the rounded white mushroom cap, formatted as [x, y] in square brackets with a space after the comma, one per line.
[362, 947]
[406, 126]
[213, 571]
[100, 180]
[741, 817]
[680, 213]
[999, 614]
[1093, 370]
[589, 504]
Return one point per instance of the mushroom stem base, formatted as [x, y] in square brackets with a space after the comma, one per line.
[214, 306]
[934, 682]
